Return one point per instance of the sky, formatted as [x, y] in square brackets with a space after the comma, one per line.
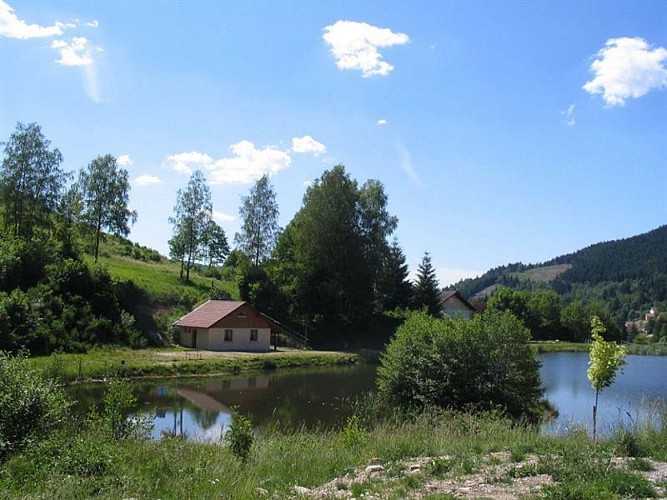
[501, 131]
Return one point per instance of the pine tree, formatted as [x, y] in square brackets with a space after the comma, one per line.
[427, 288]
[395, 289]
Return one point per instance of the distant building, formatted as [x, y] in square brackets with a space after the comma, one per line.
[453, 304]
[225, 325]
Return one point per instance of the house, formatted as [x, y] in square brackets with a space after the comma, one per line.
[225, 325]
[452, 303]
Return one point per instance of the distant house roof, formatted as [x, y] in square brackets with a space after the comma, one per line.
[449, 294]
[209, 313]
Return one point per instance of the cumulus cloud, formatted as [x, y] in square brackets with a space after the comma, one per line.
[77, 52]
[248, 164]
[307, 144]
[568, 115]
[124, 160]
[183, 163]
[382, 121]
[627, 68]
[13, 27]
[147, 180]
[221, 217]
[355, 46]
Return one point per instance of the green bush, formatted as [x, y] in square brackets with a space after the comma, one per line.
[240, 437]
[480, 364]
[30, 405]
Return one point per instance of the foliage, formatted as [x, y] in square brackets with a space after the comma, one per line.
[31, 181]
[327, 260]
[605, 359]
[394, 289]
[214, 243]
[114, 420]
[627, 276]
[30, 405]
[105, 195]
[192, 214]
[260, 229]
[427, 288]
[483, 363]
[240, 436]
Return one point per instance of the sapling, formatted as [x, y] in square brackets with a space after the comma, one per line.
[605, 359]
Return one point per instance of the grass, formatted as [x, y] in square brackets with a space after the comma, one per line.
[113, 362]
[174, 468]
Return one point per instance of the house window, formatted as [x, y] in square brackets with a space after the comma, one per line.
[253, 335]
[228, 335]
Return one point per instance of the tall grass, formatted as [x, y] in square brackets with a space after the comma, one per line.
[459, 444]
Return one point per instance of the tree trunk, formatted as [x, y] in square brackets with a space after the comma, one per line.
[97, 239]
[595, 415]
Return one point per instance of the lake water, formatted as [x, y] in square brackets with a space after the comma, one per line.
[200, 408]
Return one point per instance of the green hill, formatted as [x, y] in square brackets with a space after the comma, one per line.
[629, 276]
[165, 297]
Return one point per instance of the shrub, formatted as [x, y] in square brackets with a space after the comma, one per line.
[484, 363]
[30, 405]
[240, 437]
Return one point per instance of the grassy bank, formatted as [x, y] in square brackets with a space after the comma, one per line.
[109, 363]
[436, 456]
[638, 349]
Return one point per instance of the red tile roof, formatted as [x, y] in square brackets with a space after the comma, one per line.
[209, 313]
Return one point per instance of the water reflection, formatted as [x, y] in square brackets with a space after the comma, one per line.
[200, 409]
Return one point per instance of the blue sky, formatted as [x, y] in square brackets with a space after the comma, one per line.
[502, 131]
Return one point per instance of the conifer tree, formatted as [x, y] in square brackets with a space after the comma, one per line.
[427, 288]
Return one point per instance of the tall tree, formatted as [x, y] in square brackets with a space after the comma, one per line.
[328, 257]
[192, 214]
[105, 190]
[427, 288]
[216, 247]
[31, 181]
[260, 230]
[376, 225]
[395, 289]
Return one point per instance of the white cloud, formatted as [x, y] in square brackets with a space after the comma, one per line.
[307, 183]
[568, 115]
[93, 24]
[382, 121]
[124, 160]
[183, 163]
[220, 217]
[248, 164]
[627, 68]
[147, 180]
[77, 52]
[307, 144]
[13, 27]
[355, 46]
[406, 164]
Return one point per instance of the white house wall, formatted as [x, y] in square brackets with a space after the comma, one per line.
[240, 340]
[454, 307]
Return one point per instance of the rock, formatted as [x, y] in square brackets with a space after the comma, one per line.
[301, 490]
[414, 468]
[374, 468]
[261, 492]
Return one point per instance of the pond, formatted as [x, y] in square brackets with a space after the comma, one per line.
[200, 408]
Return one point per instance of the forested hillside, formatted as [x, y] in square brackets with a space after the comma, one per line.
[627, 276]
